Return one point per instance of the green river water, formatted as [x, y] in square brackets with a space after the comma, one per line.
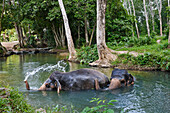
[149, 94]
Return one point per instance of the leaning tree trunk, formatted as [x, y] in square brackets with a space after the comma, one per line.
[130, 12]
[134, 14]
[21, 35]
[169, 24]
[91, 37]
[72, 51]
[152, 15]
[159, 6]
[2, 15]
[169, 36]
[18, 33]
[86, 31]
[146, 16]
[62, 36]
[57, 43]
[104, 53]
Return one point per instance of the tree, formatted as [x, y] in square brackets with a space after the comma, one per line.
[159, 7]
[134, 14]
[72, 51]
[146, 17]
[169, 22]
[104, 53]
[151, 6]
[2, 14]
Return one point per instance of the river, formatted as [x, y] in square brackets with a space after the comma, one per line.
[150, 93]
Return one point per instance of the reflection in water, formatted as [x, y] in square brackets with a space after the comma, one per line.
[150, 92]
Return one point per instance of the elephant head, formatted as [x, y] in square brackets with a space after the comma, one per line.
[119, 78]
[51, 85]
[47, 85]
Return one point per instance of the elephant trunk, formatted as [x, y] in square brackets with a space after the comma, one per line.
[42, 88]
[114, 83]
[27, 85]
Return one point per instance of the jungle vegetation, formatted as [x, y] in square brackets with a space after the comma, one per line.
[131, 25]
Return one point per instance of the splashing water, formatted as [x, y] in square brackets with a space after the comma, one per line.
[61, 66]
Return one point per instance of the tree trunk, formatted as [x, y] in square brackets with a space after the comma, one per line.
[92, 34]
[62, 37]
[86, 31]
[72, 51]
[21, 36]
[152, 15]
[146, 16]
[169, 36]
[2, 14]
[29, 31]
[169, 25]
[104, 53]
[57, 42]
[126, 6]
[18, 33]
[159, 6]
[134, 14]
[78, 35]
[130, 14]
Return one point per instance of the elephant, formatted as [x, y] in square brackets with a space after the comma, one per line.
[84, 79]
[122, 77]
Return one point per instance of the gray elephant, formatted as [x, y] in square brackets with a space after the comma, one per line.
[120, 78]
[83, 79]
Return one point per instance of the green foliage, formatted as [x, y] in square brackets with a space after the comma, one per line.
[31, 42]
[10, 35]
[14, 102]
[132, 41]
[148, 59]
[87, 54]
[101, 106]
[118, 22]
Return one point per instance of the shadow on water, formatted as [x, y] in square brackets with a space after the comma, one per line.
[150, 92]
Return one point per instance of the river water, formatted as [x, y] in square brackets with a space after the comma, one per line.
[149, 94]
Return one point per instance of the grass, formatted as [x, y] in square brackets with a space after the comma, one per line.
[155, 49]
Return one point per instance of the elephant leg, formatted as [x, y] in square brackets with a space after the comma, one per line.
[27, 85]
[97, 87]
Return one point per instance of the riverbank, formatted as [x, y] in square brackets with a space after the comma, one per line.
[154, 57]
[11, 49]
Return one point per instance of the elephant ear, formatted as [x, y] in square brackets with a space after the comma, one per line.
[58, 85]
[131, 79]
[114, 83]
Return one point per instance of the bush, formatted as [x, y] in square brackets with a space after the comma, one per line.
[87, 54]
[133, 41]
[148, 59]
[101, 107]
[12, 101]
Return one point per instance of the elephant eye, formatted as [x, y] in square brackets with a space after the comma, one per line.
[122, 81]
[47, 85]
